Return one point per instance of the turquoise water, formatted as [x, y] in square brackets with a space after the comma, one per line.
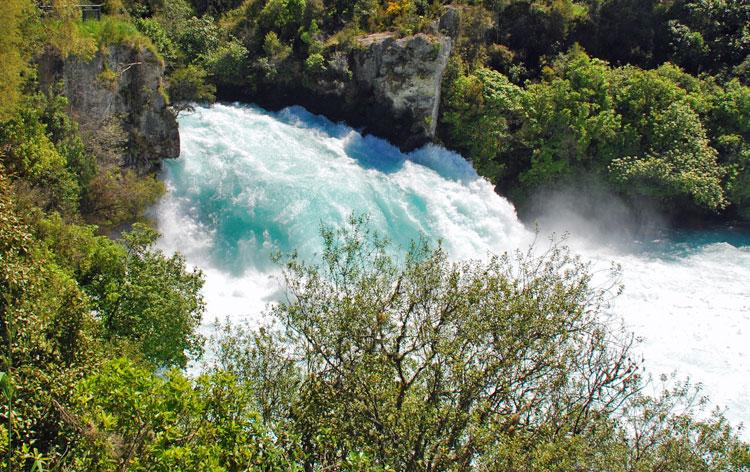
[684, 243]
[250, 183]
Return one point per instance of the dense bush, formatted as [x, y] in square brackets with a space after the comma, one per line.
[138, 421]
[11, 55]
[652, 133]
[28, 153]
[419, 363]
[189, 85]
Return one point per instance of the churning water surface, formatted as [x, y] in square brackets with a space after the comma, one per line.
[250, 182]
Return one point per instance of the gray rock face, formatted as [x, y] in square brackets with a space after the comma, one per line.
[405, 75]
[450, 22]
[388, 85]
[124, 84]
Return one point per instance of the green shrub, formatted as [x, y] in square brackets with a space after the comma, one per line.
[159, 38]
[152, 301]
[29, 155]
[315, 63]
[188, 84]
[11, 57]
[111, 30]
[198, 37]
[229, 63]
[282, 16]
[141, 421]
[116, 196]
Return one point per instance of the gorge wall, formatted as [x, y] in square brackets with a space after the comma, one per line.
[396, 83]
[121, 85]
[384, 84]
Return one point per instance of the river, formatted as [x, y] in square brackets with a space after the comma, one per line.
[251, 182]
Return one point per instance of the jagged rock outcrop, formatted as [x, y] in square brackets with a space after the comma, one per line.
[405, 75]
[124, 84]
[449, 23]
[385, 84]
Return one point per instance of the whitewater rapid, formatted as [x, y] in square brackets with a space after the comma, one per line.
[250, 183]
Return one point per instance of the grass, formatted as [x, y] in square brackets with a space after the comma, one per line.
[111, 30]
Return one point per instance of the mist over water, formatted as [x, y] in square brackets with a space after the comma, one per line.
[250, 183]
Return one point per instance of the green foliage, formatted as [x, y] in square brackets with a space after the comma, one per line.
[570, 121]
[45, 344]
[480, 110]
[54, 276]
[229, 63]
[62, 31]
[111, 30]
[539, 29]
[276, 53]
[28, 153]
[68, 35]
[159, 37]
[414, 362]
[11, 57]
[677, 157]
[282, 16]
[710, 35]
[214, 7]
[645, 132]
[116, 196]
[64, 132]
[274, 48]
[683, 162]
[152, 301]
[727, 112]
[315, 63]
[139, 421]
[421, 364]
[189, 85]
[626, 32]
[198, 36]
[76, 249]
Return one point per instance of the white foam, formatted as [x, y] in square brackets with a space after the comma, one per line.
[286, 173]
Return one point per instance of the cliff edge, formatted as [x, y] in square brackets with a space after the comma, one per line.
[125, 84]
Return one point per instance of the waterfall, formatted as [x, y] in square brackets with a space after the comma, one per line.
[251, 182]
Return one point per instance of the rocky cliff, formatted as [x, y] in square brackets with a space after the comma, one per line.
[404, 76]
[122, 84]
[385, 84]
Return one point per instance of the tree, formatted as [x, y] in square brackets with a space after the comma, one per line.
[626, 32]
[644, 133]
[539, 29]
[419, 363]
[570, 123]
[127, 418]
[426, 364]
[189, 85]
[710, 35]
[282, 16]
[665, 151]
[481, 111]
[29, 154]
[44, 341]
[11, 57]
[151, 300]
